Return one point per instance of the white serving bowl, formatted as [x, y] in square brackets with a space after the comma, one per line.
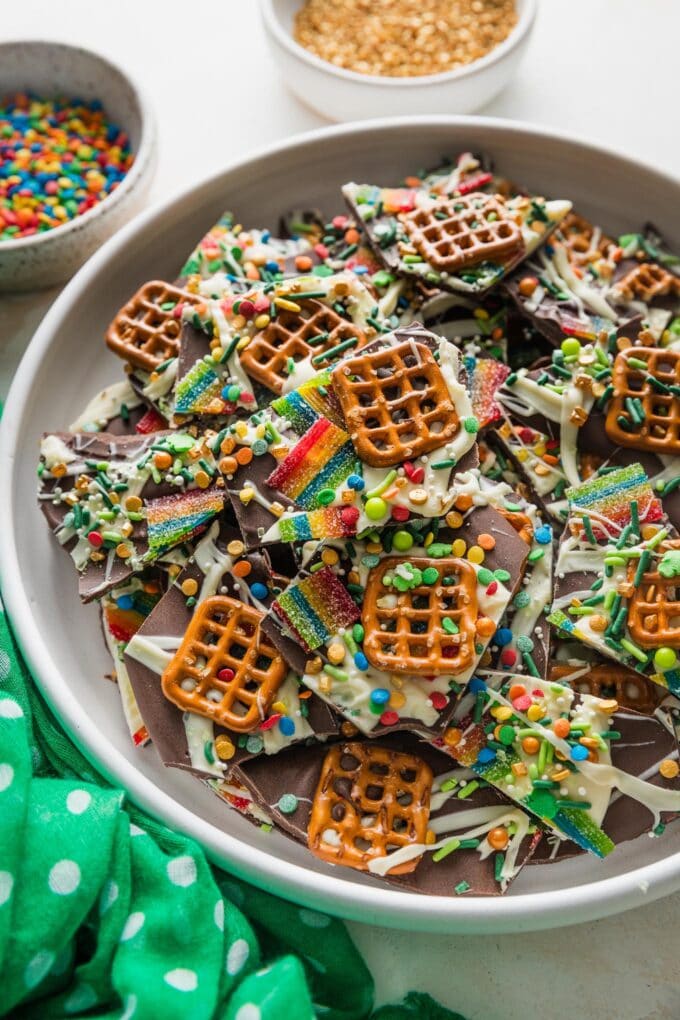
[67, 361]
[342, 95]
[49, 69]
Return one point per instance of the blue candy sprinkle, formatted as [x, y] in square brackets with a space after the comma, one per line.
[259, 591]
[125, 602]
[360, 661]
[380, 696]
[476, 685]
[543, 534]
[287, 726]
[486, 755]
[356, 482]
[503, 636]
[579, 753]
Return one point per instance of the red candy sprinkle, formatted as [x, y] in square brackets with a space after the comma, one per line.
[526, 435]
[493, 588]
[270, 721]
[350, 515]
[400, 513]
[246, 309]
[522, 703]
[508, 657]
[438, 700]
[226, 674]
[95, 539]
[389, 718]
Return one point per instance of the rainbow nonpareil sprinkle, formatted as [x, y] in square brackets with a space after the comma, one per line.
[316, 608]
[608, 499]
[177, 518]
[59, 157]
[322, 460]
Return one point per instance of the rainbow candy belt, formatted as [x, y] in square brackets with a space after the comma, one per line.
[485, 377]
[177, 518]
[323, 459]
[316, 609]
[610, 496]
[327, 522]
[312, 400]
[197, 391]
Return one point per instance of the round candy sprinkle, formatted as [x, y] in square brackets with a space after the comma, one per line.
[254, 745]
[438, 700]
[665, 658]
[669, 768]
[524, 643]
[543, 535]
[125, 602]
[389, 718]
[288, 804]
[336, 653]
[225, 674]
[356, 482]
[475, 554]
[579, 753]
[471, 425]
[506, 735]
[287, 725]
[59, 157]
[430, 575]
[498, 838]
[571, 347]
[224, 747]
[95, 539]
[375, 508]
[189, 586]
[259, 447]
[508, 657]
[259, 590]
[380, 696]
[402, 541]
[326, 496]
[521, 599]
[476, 685]
[360, 661]
[561, 728]
[503, 636]
[486, 755]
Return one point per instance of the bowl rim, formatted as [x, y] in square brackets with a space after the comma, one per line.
[319, 890]
[527, 16]
[131, 178]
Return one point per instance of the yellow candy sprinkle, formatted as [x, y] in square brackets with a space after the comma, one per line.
[329, 557]
[290, 306]
[374, 547]
[336, 653]
[418, 497]
[454, 519]
[669, 768]
[189, 587]
[245, 495]
[534, 712]
[241, 429]
[261, 321]
[202, 479]
[397, 700]
[280, 706]
[260, 431]
[236, 548]
[501, 712]
[476, 554]
[224, 747]
[123, 550]
[459, 546]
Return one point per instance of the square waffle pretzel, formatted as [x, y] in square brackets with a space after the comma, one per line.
[409, 635]
[225, 635]
[654, 607]
[630, 689]
[143, 332]
[646, 282]
[660, 431]
[457, 233]
[396, 403]
[266, 357]
[368, 802]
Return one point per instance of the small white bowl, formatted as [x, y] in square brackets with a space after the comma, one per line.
[49, 69]
[342, 95]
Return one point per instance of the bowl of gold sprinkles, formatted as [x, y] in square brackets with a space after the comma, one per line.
[351, 59]
[77, 154]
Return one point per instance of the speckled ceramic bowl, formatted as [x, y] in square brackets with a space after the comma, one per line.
[50, 68]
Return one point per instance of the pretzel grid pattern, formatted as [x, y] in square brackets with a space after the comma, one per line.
[408, 634]
[369, 801]
[648, 281]
[654, 608]
[266, 357]
[396, 404]
[457, 233]
[225, 635]
[143, 332]
[630, 689]
[660, 431]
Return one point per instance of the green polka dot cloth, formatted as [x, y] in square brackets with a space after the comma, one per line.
[105, 913]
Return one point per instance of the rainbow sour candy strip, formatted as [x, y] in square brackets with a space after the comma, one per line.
[322, 459]
[485, 377]
[327, 522]
[610, 497]
[309, 402]
[177, 518]
[317, 608]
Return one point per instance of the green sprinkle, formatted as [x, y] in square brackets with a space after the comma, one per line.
[468, 789]
[335, 673]
[444, 851]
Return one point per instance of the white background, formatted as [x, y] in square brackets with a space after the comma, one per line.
[606, 69]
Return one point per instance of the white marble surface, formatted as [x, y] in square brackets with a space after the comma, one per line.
[605, 69]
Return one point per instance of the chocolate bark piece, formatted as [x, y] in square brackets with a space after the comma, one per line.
[84, 479]
[466, 243]
[117, 409]
[210, 570]
[286, 794]
[308, 620]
